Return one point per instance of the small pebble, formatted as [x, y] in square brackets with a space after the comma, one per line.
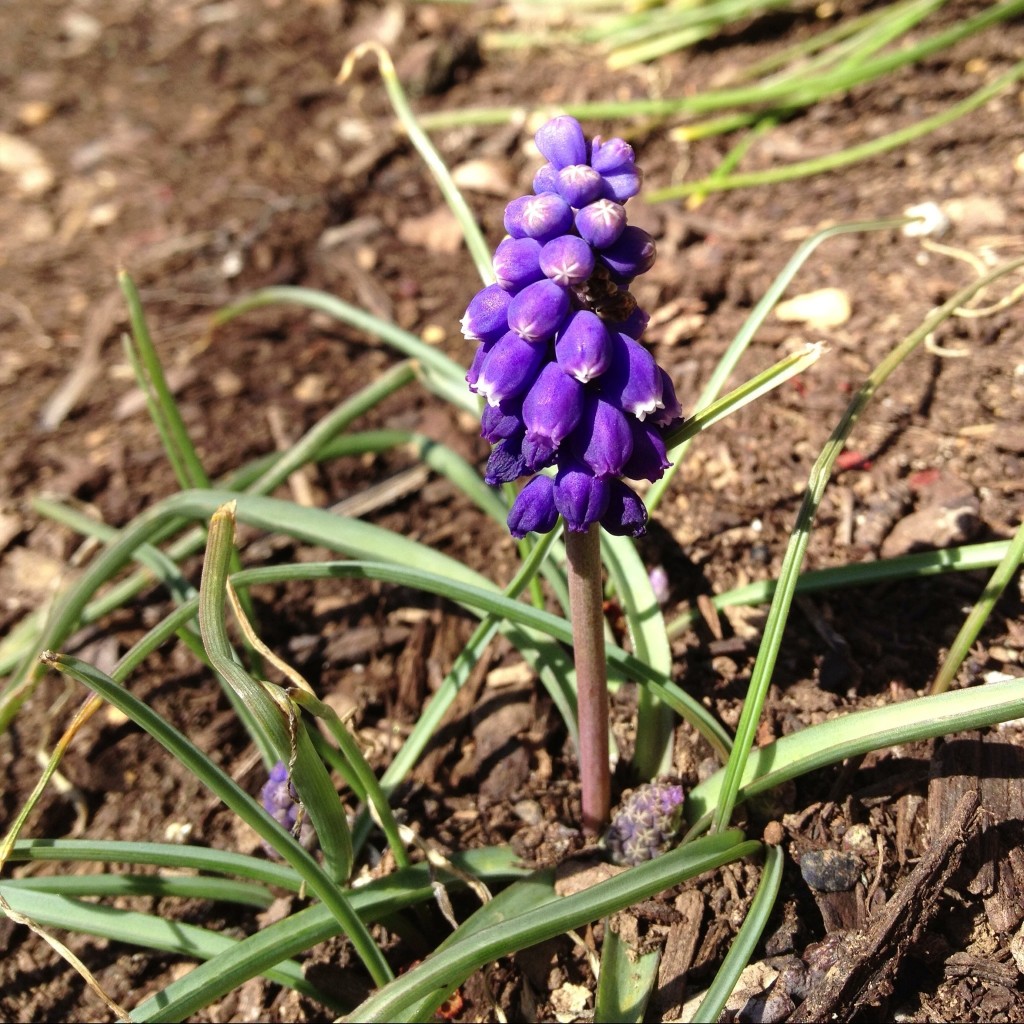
[830, 870]
[827, 307]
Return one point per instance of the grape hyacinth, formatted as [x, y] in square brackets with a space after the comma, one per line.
[281, 802]
[646, 823]
[568, 385]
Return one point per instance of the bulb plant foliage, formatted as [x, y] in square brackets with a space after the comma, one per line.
[569, 386]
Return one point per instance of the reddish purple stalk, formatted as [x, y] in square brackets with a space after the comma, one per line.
[583, 551]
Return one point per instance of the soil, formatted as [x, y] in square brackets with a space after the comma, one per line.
[206, 149]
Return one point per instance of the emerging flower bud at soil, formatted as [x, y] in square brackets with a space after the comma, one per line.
[569, 386]
[280, 800]
[646, 823]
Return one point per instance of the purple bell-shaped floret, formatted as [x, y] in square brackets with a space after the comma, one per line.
[648, 460]
[633, 380]
[580, 497]
[601, 223]
[517, 263]
[646, 823]
[545, 217]
[536, 313]
[626, 514]
[485, 318]
[561, 142]
[602, 440]
[672, 411]
[546, 179]
[632, 253]
[510, 368]
[553, 406]
[500, 421]
[579, 184]
[506, 462]
[584, 348]
[534, 510]
[567, 260]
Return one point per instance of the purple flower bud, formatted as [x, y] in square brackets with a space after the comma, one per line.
[584, 348]
[281, 802]
[506, 462]
[648, 460]
[673, 410]
[517, 263]
[562, 142]
[611, 156]
[601, 223]
[510, 368]
[632, 253]
[553, 406]
[485, 319]
[626, 515]
[538, 453]
[513, 219]
[602, 440]
[646, 823]
[500, 421]
[622, 185]
[580, 497]
[538, 310]
[567, 260]
[545, 217]
[633, 380]
[546, 179]
[534, 510]
[660, 584]
[473, 373]
[579, 184]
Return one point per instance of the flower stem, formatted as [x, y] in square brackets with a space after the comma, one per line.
[583, 553]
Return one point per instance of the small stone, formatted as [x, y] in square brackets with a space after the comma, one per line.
[830, 870]
[858, 840]
[437, 232]
[977, 213]
[485, 176]
[33, 113]
[26, 164]
[826, 307]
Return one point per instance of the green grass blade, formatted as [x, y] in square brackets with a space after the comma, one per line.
[223, 786]
[750, 932]
[820, 473]
[626, 981]
[979, 614]
[184, 887]
[531, 912]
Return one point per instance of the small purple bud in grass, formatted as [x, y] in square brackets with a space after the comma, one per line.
[562, 142]
[602, 440]
[506, 462]
[632, 253]
[510, 368]
[633, 380]
[584, 348]
[553, 406]
[626, 515]
[534, 510]
[517, 263]
[580, 496]
[546, 216]
[536, 313]
[646, 823]
[486, 317]
[579, 184]
[601, 223]
[500, 421]
[673, 411]
[567, 260]
[281, 802]
[660, 584]
[648, 460]
[546, 179]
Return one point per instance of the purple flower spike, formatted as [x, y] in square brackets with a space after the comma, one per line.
[567, 260]
[648, 460]
[509, 369]
[646, 823]
[562, 142]
[545, 216]
[601, 223]
[553, 406]
[538, 310]
[486, 319]
[580, 496]
[579, 184]
[632, 253]
[546, 179]
[534, 509]
[626, 515]
[633, 381]
[602, 441]
[517, 263]
[584, 348]
[281, 802]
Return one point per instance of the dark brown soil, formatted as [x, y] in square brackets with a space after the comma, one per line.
[207, 150]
